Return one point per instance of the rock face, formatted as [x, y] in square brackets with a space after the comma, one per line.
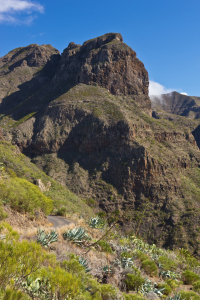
[108, 62]
[24, 71]
[90, 128]
[178, 104]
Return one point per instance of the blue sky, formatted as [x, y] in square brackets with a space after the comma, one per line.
[164, 33]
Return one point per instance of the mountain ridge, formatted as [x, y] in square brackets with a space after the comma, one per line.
[90, 128]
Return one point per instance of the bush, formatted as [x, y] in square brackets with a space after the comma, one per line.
[142, 256]
[132, 297]
[73, 266]
[105, 247]
[167, 263]
[190, 277]
[3, 215]
[61, 211]
[150, 267]
[10, 294]
[126, 254]
[173, 283]
[189, 295]
[24, 196]
[20, 259]
[167, 289]
[134, 281]
[196, 286]
[101, 291]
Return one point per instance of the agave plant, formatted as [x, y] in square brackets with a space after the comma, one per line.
[150, 286]
[151, 250]
[2, 237]
[45, 239]
[96, 223]
[84, 263]
[76, 235]
[168, 274]
[126, 262]
[107, 269]
[176, 297]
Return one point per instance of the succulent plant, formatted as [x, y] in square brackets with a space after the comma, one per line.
[168, 273]
[176, 297]
[126, 262]
[107, 269]
[45, 239]
[84, 263]
[96, 223]
[76, 235]
[150, 286]
[2, 237]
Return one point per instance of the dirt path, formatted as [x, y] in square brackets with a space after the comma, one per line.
[59, 221]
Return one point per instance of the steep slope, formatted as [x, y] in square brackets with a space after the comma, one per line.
[17, 176]
[91, 129]
[23, 72]
[178, 104]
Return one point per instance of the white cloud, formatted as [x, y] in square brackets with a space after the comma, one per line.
[184, 94]
[11, 9]
[156, 88]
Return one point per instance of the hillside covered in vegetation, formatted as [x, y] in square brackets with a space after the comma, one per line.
[81, 138]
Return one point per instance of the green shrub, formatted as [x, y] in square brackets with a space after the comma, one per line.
[100, 291]
[167, 289]
[125, 254]
[189, 295]
[73, 266]
[105, 247]
[142, 256]
[150, 267]
[24, 196]
[196, 286]
[134, 281]
[132, 297]
[10, 294]
[167, 263]
[173, 283]
[190, 277]
[3, 215]
[61, 211]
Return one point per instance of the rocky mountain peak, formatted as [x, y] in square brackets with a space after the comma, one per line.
[107, 62]
[101, 40]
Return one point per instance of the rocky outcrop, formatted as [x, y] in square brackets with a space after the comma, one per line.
[42, 186]
[108, 62]
[23, 72]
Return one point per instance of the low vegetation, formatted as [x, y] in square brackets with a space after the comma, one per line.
[17, 186]
[40, 267]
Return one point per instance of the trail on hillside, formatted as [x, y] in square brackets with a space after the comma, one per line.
[59, 221]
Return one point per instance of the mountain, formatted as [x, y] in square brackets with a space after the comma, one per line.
[177, 104]
[84, 117]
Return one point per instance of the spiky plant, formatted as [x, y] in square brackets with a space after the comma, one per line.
[97, 222]
[168, 273]
[84, 263]
[76, 235]
[45, 239]
[2, 237]
[150, 286]
[176, 297]
[107, 269]
[126, 262]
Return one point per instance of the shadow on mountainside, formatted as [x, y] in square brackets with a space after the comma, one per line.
[30, 96]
